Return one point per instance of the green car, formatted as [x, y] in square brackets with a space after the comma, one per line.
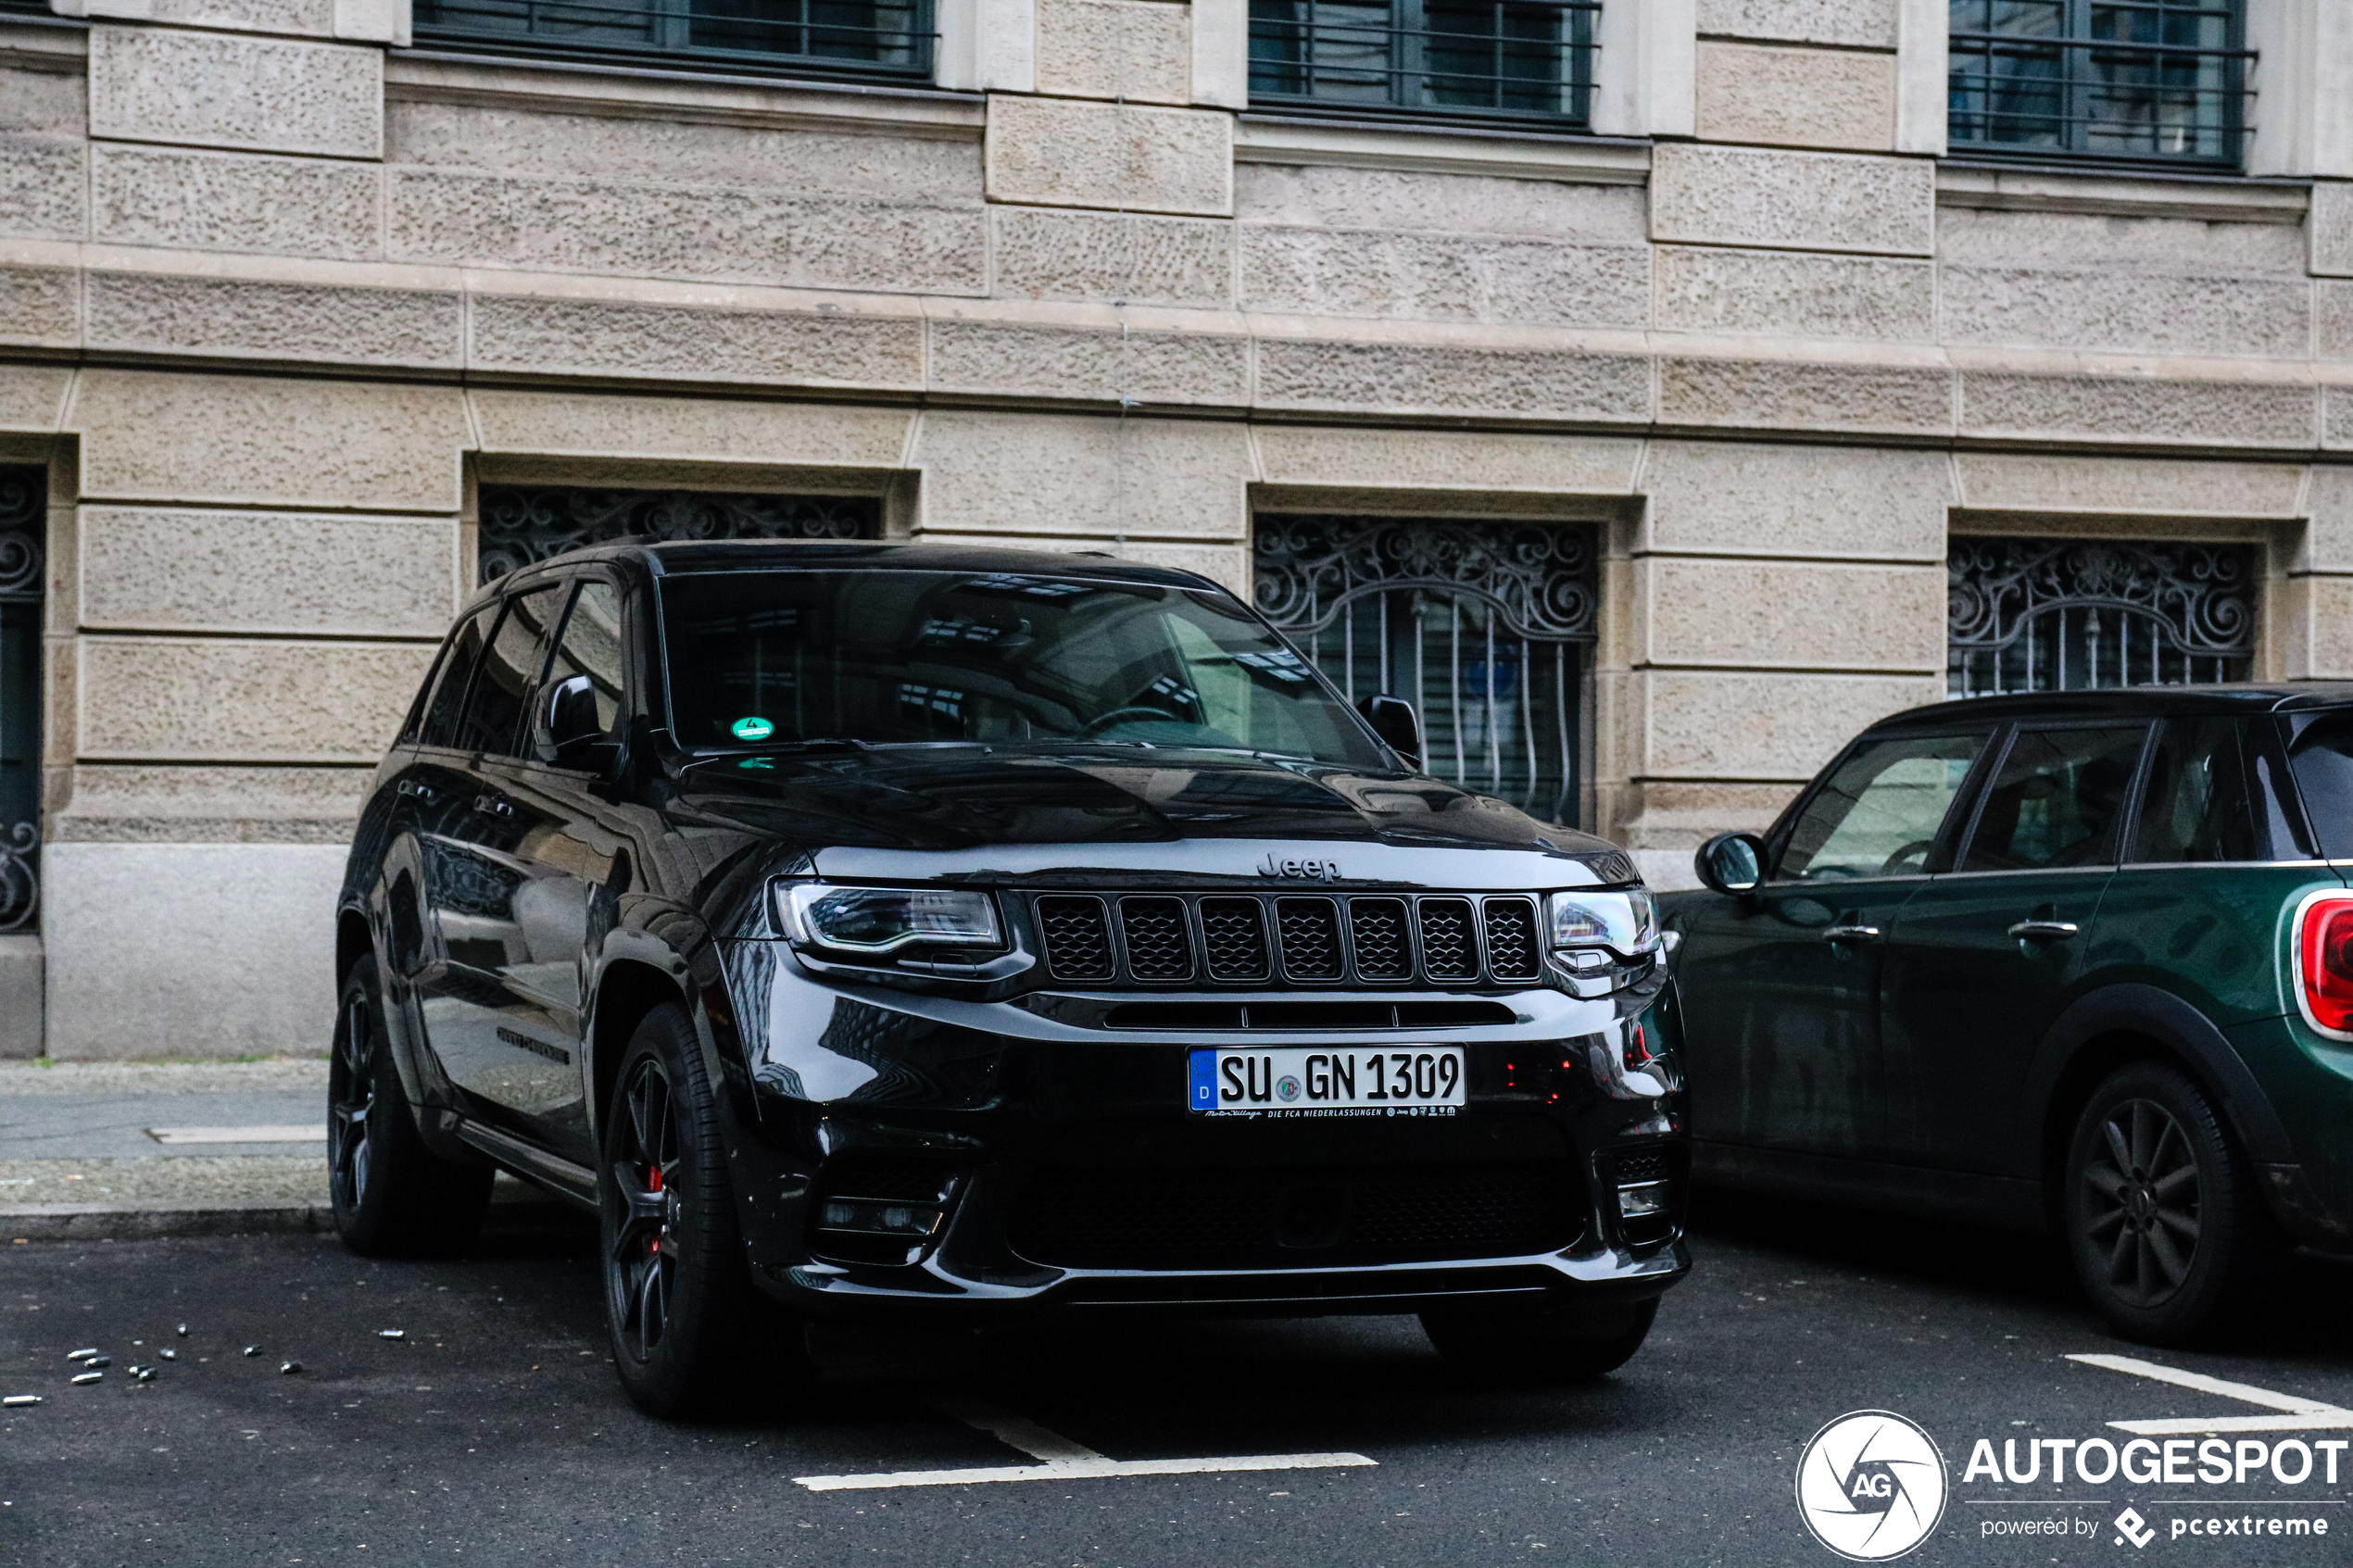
[2077, 961]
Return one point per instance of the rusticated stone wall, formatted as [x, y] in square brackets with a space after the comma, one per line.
[274, 298]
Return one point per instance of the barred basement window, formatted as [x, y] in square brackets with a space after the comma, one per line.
[522, 523]
[2157, 82]
[1483, 626]
[875, 39]
[2043, 615]
[1523, 59]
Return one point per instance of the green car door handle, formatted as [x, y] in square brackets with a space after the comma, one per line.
[1850, 934]
[2043, 930]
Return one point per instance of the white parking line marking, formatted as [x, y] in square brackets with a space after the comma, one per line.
[2304, 1415]
[1064, 1461]
[306, 1132]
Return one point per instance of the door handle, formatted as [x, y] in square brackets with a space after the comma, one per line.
[1850, 934]
[2043, 930]
[491, 806]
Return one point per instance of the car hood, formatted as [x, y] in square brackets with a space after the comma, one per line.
[974, 810]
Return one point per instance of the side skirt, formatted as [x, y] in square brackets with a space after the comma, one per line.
[577, 1185]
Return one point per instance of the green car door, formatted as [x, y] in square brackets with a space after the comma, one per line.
[1985, 956]
[1781, 986]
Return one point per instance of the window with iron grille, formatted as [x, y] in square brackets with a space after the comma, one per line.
[2044, 615]
[2154, 81]
[888, 40]
[522, 523]
[24, 495]
[1516, 60]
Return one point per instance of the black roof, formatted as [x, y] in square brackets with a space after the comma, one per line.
[2128, 702]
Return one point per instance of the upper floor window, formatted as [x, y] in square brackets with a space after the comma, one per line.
[875, 39]
[2152, 82]
[1522, 59]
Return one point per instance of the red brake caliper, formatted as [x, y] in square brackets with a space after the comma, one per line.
[653, 1245]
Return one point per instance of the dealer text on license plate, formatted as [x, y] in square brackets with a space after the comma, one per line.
[1321, 1081]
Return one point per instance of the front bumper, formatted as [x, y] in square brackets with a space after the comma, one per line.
[1033, 1165]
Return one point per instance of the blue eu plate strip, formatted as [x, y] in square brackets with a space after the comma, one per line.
[1204, 1081]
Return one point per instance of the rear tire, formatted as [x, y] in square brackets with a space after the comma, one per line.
[2163, 1218]
[1540, 1346]
[393, 1196]
[691, 1334]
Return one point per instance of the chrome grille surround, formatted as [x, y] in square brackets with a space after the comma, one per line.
[1212, 941]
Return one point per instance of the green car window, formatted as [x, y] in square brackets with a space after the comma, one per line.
[2197, 806]
[2056, 800]
[2321, 759]
[1879, 812]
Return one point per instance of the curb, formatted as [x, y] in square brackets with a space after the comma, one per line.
[160, 1217]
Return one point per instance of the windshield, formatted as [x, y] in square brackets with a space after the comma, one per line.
[773, 657]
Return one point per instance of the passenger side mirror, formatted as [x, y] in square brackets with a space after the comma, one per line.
[1393, 718]
[569, 735]
[1731, 862]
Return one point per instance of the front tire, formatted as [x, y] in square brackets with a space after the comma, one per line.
[1541, 1346]
[2163, 1218]
[679, 1299]
[393, 1196]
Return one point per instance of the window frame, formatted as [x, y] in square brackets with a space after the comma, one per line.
[675, 19]
[2075, 86]
[1980, 789]
[1579, 86]
[1945, 851]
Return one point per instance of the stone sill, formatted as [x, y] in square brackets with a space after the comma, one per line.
[2205, 198]
[643, 93]
[1439, 149]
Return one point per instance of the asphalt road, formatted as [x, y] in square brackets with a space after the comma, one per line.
[494, 1433]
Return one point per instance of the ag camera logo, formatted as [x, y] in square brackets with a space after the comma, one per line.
[1871, 1485]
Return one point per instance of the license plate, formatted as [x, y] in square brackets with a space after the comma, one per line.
[1308, 1081]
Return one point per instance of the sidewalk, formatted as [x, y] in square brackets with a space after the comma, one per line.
[80, 1158]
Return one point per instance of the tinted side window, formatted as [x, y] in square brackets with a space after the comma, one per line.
[2320, 756]
[2056, 801]
[2197, 805]
[1879, 813]
[457, 669]
[510, 670]
[591, 646]
[412, 726]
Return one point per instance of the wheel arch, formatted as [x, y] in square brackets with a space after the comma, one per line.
[626, 992]
[353, 940]
[2118, 1025]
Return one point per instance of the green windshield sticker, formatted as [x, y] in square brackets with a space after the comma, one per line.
[753, 729]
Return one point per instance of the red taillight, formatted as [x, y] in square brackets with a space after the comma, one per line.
[2324, 950]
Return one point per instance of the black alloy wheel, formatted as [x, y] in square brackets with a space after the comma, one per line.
[679, 1299]
[1540, 1346]
[2163, 1220]
[392, 1195]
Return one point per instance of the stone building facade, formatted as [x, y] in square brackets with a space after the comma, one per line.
[1757, 317]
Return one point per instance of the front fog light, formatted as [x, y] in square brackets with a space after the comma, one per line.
[1638, 1202]
[883, 920]
[869, 1217]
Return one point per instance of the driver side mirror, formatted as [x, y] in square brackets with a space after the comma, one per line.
[569, 735]
[1393, 718]
[1731, 862]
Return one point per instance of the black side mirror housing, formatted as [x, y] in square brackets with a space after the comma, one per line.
[1393, 718]
[569, 735]
[1731, 862]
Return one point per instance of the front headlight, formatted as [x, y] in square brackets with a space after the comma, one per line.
[1625, 923]
[871, 921]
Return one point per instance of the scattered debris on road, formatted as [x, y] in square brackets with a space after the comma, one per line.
[253, 1349]
[88, 1378]
[13, 1400]
[392, 1334]
[290, 1367]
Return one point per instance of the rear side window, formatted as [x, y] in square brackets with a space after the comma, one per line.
[2057, 800]
[510, 670]
[2202, 803]
[1879, 812]
[2320, 756]
[456, 670]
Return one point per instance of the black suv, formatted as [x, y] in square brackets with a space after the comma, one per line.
[2081, 960]
[884, 928]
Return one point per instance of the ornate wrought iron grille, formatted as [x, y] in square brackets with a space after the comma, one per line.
[887, 38]
[24, 495]
[1530, 59]
[2149, 80]
[522, 523]
[1484, 624]
[2042, 615]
